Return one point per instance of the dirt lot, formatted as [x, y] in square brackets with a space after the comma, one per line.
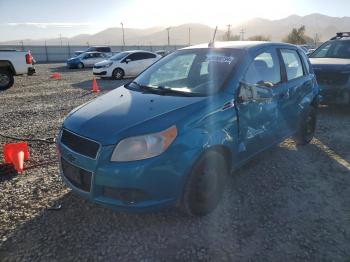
[289, 204]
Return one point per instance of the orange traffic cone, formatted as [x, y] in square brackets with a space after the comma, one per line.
[95, 88]
[56, 75]
[16, 154]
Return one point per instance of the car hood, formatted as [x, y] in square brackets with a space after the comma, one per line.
[330, 63]
[73, 59]
[104, 62]
[106, 117]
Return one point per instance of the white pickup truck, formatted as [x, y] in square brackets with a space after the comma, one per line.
[13, 63]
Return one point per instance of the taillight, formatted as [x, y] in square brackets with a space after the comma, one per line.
[29, 58]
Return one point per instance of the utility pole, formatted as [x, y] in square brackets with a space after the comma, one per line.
[229, 32]
[168, 29]
[189, 36]
[242, 34]
[123, 34]
[61, 39]
[22, 45]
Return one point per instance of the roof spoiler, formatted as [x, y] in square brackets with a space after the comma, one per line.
[340, 35]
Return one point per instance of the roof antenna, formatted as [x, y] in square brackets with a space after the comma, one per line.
[211, 44]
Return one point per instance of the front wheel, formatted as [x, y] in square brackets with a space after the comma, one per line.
[6, 79]
[118, 73]
[307, 127]
[80, 65]
[205, 185]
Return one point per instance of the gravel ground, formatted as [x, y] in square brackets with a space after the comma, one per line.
[290, 203]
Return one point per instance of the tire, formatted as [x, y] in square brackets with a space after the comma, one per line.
[118, 73]
[205, 185]
[307, 127]
[80, 65]
[6, 79]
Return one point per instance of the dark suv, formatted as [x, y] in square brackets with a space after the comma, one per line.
[331, 63]
[101, 49]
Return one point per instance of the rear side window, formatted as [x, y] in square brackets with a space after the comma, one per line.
[264, 70]
[147, 56]
[293, 64]
[305, 62]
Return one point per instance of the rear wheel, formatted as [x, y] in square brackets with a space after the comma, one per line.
[80, 65]
[307, 127]
[118, 73]
[205, 185]
[6, 79]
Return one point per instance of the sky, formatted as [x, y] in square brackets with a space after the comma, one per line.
[37, 19]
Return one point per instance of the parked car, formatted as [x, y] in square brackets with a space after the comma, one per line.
[13, 63]
[86, 60]
[331, 63]
[162, 52]
[125, 64]
[102, 49]
[173, 134]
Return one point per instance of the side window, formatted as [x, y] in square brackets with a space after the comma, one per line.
[148, 56]
[133, 57]
[323, 50]
[264, 70]
[292, 62]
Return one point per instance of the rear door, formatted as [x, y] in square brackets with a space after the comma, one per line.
[148, 59]
[299, 84]
[259, 125]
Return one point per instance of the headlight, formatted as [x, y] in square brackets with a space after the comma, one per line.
[144, 147]
[108, 65]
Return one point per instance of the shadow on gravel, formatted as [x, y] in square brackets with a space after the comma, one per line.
[104, 84]
[280, 206]
[65, 69]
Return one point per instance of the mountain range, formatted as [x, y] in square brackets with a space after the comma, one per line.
[322, 25]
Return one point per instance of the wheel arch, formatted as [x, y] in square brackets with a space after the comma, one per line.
[7, 65]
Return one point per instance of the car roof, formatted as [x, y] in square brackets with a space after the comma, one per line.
[136, 51]
[248, 45]
[92, 52]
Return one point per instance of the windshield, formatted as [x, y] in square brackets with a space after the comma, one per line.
[197, 71]
[334, 49]
[119, 56]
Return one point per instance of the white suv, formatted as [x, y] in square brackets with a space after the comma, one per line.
[128, 63]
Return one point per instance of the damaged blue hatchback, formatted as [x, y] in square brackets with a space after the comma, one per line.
[172, 135]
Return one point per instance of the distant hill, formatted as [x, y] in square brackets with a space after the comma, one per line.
[324, 26]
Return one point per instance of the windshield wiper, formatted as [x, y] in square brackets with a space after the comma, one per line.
[161, 90]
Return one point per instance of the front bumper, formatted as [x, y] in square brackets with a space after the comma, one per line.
[103, 71]
[135, 186]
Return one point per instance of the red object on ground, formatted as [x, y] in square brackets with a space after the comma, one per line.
[16, 154]
[56, 75]
[95, 88]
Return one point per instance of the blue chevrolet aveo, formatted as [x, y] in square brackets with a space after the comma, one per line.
[172, 135]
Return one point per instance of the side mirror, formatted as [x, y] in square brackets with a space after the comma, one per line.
[127, 60]
[261, 92]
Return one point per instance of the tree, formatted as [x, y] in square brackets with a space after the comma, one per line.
[298, 37]
[259, 38]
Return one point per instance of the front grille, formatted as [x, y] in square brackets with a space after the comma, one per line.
[331, 78]
[79, 144]
[78, 177]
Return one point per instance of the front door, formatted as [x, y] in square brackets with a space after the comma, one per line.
[259, 114]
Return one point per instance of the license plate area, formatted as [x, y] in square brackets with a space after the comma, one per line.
[78, 177]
